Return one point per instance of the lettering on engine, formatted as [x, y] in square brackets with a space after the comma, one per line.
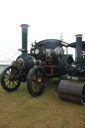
[72, 78]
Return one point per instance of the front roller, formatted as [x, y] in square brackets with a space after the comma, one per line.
[72, 91]
[10, 79]
[36, 81]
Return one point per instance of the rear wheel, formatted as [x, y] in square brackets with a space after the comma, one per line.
[10, 78]
[36, 80]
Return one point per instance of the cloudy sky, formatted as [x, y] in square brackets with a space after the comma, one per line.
[47, 19]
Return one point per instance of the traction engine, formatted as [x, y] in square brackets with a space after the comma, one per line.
[72, 85]
[45, 60]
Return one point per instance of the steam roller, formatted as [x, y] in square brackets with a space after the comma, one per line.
[72, 85]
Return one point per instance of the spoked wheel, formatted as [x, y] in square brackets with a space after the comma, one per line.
[10, 79]
[36, 80]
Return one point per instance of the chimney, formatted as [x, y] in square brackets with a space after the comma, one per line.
[79, 47]
[24, 37]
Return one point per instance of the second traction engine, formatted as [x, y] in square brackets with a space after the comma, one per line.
[72, 85]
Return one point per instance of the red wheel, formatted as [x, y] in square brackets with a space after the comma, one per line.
[10, 78]
[36, 80]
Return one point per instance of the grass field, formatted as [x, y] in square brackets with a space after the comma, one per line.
[20, 110]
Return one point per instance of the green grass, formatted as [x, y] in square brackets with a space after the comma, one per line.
[20, 110]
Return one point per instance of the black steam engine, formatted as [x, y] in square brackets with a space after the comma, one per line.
[46, 60]
[72, 85]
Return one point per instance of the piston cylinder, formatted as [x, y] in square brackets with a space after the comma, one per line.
[72, 91]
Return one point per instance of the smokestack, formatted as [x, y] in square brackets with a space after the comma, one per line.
[24, 36]
[79, 47]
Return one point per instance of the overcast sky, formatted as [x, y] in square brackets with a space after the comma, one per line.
[47, 20]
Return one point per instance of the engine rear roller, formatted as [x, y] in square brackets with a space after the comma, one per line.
[72, 91]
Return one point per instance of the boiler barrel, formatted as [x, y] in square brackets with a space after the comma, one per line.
[72, 91]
